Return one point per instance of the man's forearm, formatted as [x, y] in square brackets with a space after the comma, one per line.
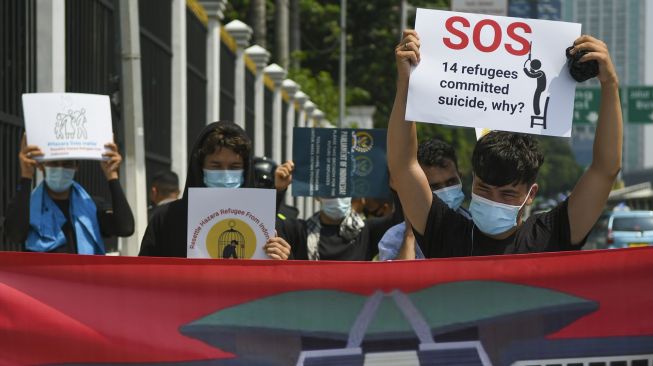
[402, 135]
[608, 139]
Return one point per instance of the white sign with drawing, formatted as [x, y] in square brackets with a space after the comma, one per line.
[229, 223]
[493, 72]
[68, 126]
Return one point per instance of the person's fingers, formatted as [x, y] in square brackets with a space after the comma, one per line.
[410, 32]
[277, 242]
[587, 38]
[112, 146]
[598, 56]
[275, 256]
[415, 49]
[589, 47]
[277, 251]
[291, 164]
[410, 39]
[409, 55]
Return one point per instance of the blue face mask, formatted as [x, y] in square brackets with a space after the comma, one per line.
[336, 208]
[59, 179]
[223, 178]
[453, 196]
[494, 218]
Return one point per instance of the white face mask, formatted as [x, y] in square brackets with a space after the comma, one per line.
[336, 208]
[223, 178]
[453, 196]
[59, 179]
[494, 218]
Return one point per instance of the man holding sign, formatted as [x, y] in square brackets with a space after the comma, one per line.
[505, 167]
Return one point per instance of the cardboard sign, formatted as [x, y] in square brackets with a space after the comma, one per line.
[345, 162]
[494, 72]
[230, 223]
[67, 126]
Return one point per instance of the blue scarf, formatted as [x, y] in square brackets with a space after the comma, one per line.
[46, 221]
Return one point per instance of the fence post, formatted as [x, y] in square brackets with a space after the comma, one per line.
[51, 46]
[241, 33]
[50, 50]
[309, 107]
[132, 114]
[276, 74]
[179, 95]
[215, 12]
[291, 88]
[301, 98]
[260, 57]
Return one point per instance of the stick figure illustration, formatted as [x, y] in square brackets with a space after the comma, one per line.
[534, 71]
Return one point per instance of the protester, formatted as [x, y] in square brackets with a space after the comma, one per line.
[164, 189]
[220, 157]
[440, 165]
[505, 167]
[336, 232]
[59, 215]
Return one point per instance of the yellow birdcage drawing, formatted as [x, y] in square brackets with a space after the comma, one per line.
[231, 243]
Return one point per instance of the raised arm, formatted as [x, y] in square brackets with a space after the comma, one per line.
[409, 179]
[588, 198]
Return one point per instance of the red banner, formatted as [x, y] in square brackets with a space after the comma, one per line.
[506, 310]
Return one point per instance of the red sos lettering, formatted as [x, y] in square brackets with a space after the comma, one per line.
[456, 25]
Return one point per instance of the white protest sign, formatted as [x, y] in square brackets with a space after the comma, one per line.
[230, 223]
[493, 72]
[68, 125]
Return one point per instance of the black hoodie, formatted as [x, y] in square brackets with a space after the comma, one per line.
[166, 232]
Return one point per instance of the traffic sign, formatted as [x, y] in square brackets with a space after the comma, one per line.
[586, 105]
[640, 104]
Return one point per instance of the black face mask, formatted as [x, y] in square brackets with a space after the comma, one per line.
[581, 71]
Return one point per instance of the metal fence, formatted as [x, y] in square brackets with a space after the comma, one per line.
[227, 79]
[269, 96]
[17, 76]
[284, 127]
[156, 64]
[250, 115]
[196, 76]
[92, 58]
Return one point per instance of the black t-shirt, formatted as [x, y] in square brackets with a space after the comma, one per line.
[449, 234]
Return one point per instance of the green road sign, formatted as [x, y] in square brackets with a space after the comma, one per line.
[640, 104]
[586, 105]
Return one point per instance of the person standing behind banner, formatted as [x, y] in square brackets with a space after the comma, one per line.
[336, 232]
[440, 165]
[164, 189]
[505, 167]
[220, 157]
[59, 215]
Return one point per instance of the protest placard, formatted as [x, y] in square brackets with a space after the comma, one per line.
[345, 162]
[494, 72]
[229, 223]
[68, 126]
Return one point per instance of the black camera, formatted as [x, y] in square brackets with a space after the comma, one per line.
[581, 71]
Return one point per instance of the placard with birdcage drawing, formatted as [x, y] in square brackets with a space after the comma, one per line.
[226, 223]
